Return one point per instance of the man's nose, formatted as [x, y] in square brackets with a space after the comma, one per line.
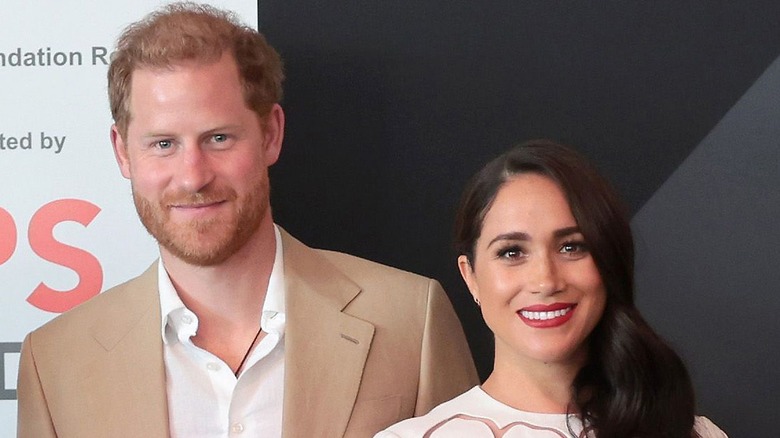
[195, 169]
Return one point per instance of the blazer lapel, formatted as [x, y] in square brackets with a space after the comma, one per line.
[325, 349]
[131, 373]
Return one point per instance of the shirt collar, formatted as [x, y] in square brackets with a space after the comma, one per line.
[273, 317]
[179, 323]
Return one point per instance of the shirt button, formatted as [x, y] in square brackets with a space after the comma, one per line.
[212, 366]
[187, 319]
[237, 428]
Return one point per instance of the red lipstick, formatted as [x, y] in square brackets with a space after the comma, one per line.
[547, 315]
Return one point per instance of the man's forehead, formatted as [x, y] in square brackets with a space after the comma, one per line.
[170, 64]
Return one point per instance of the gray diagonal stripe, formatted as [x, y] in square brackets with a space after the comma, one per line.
[708, 268]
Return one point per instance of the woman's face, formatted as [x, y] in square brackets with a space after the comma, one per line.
[538, 287]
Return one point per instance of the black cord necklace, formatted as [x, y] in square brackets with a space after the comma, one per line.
[238, 370]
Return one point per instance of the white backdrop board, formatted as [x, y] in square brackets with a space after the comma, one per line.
[68, 228]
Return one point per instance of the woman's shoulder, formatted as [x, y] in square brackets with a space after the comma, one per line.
[707, 429]
[476, 414]
[418, 426]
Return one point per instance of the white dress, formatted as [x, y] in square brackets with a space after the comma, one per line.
[469, 416]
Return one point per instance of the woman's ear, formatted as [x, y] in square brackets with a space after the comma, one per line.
[467, 272]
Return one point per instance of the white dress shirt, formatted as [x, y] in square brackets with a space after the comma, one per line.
[205, 398]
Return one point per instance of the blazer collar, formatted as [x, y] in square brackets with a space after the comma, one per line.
[143, 298]
[325, 348]
[129, 331]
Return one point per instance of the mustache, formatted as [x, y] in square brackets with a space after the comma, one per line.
[201, 197]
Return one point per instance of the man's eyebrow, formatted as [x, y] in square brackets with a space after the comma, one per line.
[225, 127]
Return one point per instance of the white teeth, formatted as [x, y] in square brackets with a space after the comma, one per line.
[543, 316]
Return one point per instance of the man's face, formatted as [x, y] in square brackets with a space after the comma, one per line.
[197, 158]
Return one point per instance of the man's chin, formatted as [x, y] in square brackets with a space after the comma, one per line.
[204, 243]
[201, 256]
[200, 248]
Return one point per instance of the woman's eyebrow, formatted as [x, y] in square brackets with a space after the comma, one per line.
[563, 232]
[514, 235]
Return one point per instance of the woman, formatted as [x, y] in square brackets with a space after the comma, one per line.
[547, 253]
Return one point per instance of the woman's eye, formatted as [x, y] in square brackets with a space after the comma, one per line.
[574, 248]
[510, 253]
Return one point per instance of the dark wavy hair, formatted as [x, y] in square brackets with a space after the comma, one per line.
[633, 384]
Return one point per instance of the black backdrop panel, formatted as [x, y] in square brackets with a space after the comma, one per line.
[391, 106]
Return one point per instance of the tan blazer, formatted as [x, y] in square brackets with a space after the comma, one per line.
[366, 345]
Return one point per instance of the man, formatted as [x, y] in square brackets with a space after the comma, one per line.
[238, 329]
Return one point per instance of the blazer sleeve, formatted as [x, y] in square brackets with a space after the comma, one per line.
[446, 366]
[33, 417]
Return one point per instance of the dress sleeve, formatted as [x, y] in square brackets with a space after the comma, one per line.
[707, 429]
[386, 434]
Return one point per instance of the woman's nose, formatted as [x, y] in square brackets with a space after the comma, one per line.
[544, 277]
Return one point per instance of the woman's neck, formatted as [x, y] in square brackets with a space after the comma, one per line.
[532, 385]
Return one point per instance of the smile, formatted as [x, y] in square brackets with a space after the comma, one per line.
[547, 316]
[196, 211]
[196, 205]
[543, 316]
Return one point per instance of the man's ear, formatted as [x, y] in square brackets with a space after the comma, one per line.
[273, 134]
[467, 273]
[120, 152]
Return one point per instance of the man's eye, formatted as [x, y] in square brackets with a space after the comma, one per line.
[219, 138]
[164, 144]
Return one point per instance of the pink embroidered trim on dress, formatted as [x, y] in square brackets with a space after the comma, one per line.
[498, 432]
